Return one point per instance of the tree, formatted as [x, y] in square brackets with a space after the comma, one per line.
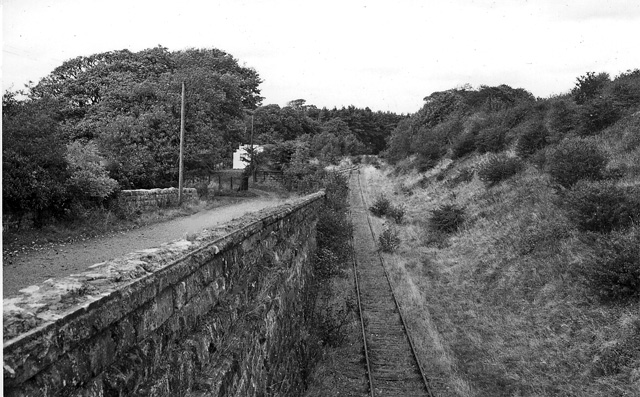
[297, 104]
[34, 168]
[129, 104]
[589, 86]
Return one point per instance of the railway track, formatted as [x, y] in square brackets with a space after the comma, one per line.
[392, 366]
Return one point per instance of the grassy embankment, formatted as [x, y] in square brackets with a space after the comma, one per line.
[503, 305]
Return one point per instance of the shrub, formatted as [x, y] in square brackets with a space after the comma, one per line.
[615, 173]
[613, 271]
[35, 172]
[380, 206]
[334, 229]
[597, 114]
[89, 179]
[447, 218]
[383, 207]
[499, 168]
[533, 139]
[203, 190]
[389, 240]
[602, 206]
[491, 139]
[561, 117]
[337, 190]
[396, 212]
[574, 159]
[464, 145]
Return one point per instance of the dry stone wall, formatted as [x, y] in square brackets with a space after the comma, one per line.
[220, 315]
[145, 199]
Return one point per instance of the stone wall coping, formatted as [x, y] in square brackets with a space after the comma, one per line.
[77, 307]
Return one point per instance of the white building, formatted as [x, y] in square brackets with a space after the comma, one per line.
[242, 153]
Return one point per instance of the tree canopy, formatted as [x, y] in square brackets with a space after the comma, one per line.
[124, 107]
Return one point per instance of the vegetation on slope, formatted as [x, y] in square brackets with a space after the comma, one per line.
[537, 291]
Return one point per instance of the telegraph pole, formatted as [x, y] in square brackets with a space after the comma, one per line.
[180, 170]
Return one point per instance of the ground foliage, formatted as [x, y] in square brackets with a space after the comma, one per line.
[498, 168]
[550, 258]
[327, 317]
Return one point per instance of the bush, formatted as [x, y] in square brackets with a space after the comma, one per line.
[499, 168]
[574, 159]
[203, 190]
[491, 139]
[396, 213]
[597, 114]
[89, 179]
[447, 218]
[334, 229]
[561, 117]
[383, 207]
[35, 171]
[533, 139]
[602, 206]
[389, 240]
[464, 145]
[380, 206]
[613, 271]
[615, 173]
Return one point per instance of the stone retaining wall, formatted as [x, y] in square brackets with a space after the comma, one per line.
[146, 199]
[221, 315]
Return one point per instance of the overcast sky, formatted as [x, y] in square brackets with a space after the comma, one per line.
[387, 55]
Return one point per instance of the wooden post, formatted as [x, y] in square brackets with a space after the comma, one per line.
[180, 170]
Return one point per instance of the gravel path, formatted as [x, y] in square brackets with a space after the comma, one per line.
[61, 260]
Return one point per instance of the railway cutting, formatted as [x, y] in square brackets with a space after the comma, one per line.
[392, 366]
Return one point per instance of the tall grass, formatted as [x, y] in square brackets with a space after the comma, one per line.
[508, 301]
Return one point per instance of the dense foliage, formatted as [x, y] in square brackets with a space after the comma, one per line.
[447, 218]
[613, 270]
[575, 159]
[462, 120]
[330, 134]
[118, 115]
[602, 206]
[34, 169]
[499, 168]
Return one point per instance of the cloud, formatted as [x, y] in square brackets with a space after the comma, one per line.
[598, 10]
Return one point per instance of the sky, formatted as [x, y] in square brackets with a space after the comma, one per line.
[385, 55]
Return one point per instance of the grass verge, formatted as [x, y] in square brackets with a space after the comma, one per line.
[502, 306]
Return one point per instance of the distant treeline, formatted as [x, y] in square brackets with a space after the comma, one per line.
[463, 120]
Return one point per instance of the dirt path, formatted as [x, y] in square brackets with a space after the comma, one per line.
[35, 267]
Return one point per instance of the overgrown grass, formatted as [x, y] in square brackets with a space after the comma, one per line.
[508, 303]
[330, 308]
